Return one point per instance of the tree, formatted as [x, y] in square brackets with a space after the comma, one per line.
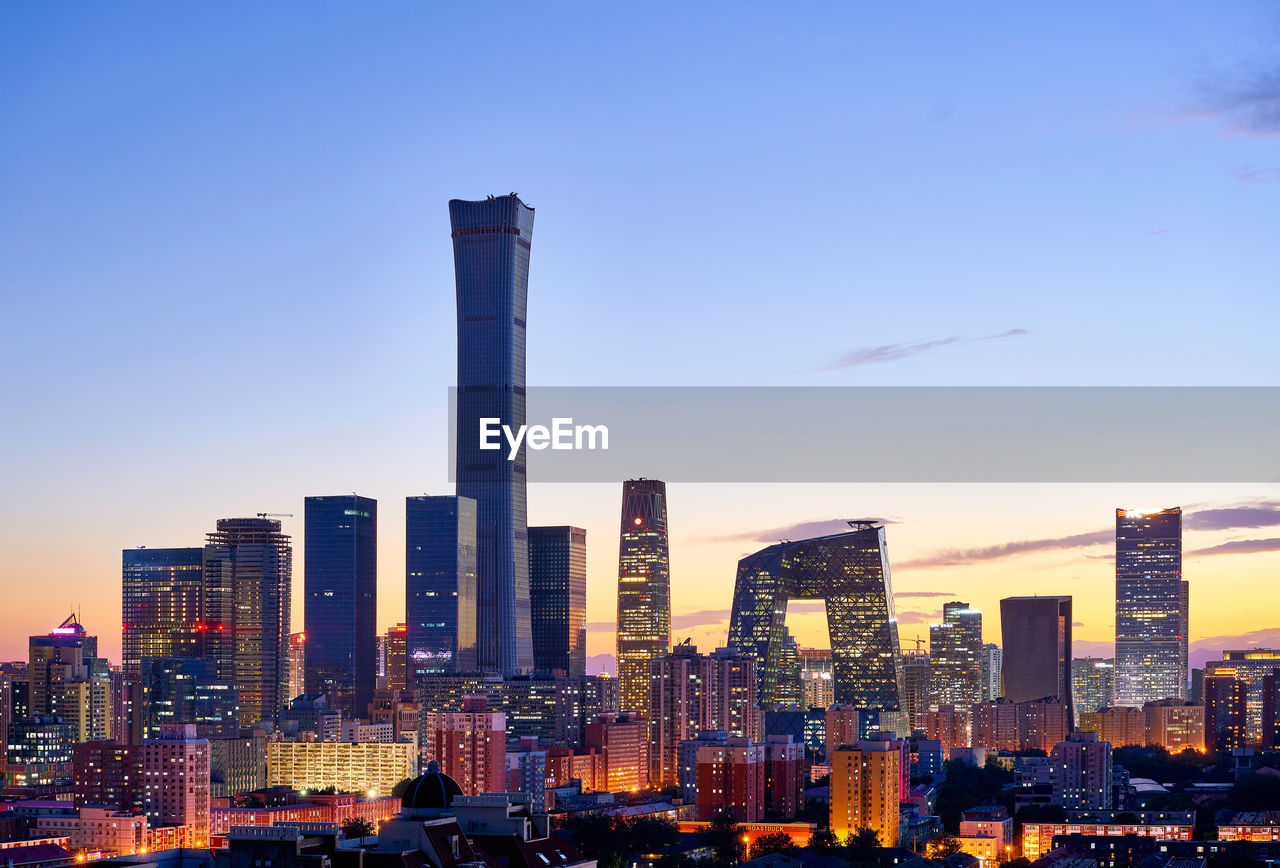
[1255, 792]
[357, 827]
[824, 841]
[725, 838]
[398, 789]
[967, 786]
[774, 842]
[942, 847]
[1019, 862]
[250, 800]
[860, 845]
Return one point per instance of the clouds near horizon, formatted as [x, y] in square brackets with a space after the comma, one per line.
[896, 352]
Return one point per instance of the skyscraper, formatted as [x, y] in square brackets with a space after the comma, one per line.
[491, 244]
[1036, 637]
[1093, 683]
[440, 585]
[992, 671]
[850, 572]
[644, 589]
[865, 783]
[1151, 607]
[70, 681]
[248, 579]
[340, 566]
[161, 604]
[917, 686]
[558, 598]
[396, 658]
[955, 656]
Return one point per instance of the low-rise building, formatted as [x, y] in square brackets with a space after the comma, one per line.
[1037, 837]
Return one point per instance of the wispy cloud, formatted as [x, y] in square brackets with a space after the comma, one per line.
[900, 594]
[958, 557]
[1211, 647]
[896, 352]
[797, 531]
[1258, 513]
[701, 618]
[1247, 105]
[1239, 547]
[1255, 175]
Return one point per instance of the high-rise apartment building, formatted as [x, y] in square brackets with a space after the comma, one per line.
[1036, 634]
[818, 678]
[69, 680]
[340, 566]
[175, 774]
[623, 739]
[161, 591]
[1175, 725]
[1225, 711]
[248, 581]
[1251, 666]
[558, 599]
[492, 240]
[731, 779]
[644, 589]
[396, 657]
[955, 656]
[1093, 684]
[865, 783]
[1082, 772]
[440, 586]
[850, 573]
[992, 672]
[917, 681]
[470, 745]
[1120, 725]
[1151, 607]
[675, 692]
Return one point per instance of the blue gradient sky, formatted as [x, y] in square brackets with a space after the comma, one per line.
[227, 278]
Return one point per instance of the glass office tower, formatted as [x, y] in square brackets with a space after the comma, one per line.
[850, 573]
[440, 585]
[491, 245]
[1151, 607]
[1036, 637]
[955, 657]
[248, 581]
[558, 599]
[644, 589]
[160, 590]
[340, 569]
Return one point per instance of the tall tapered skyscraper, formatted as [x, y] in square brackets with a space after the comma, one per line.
[491, 243]
[644, 589]
[248, 576]
[1151, 607]
[340, 567]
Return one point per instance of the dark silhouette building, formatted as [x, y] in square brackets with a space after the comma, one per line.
[340, 567]
[1225, 698]
[440, 586]
[644, 589]
[558, 598]
[1036, 637]
[491, 245]
[850, 572]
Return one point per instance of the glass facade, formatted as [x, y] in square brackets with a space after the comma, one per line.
[1093, 684]
[248, 581]
[440, 585]
[1036, 636]
[491, 245]
[160, 591]
[183, 690]
[1151, 607]
[955, 657]
[558, 599]
[340, 567]
[644, 589]
[850, 572]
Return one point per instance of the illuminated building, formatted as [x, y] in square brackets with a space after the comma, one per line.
[67, 679]
[842, 728]
[850, 572]
[1151, 607]
[1036, 636]
[492, 240]
[161, 604]
[297, 665]
[440, 585]
[470, 745]
[527, 772]
[1257, 826]
[340, 567]
[729, 693]
[1225, 711]
[1251, 666]
[949, 726]
[1175, 725]
[99, 830]
[1037, 837]
[586, 765]
[917, 689]
[108, 773]
[986, 832]
[39, 752]
[623, 739]
[1119, 725]
[955, 657]
[364, 767]
[865, 790]
[558, 599]
[397, 657]
[248, 575]
[1092, 684]
[1270, 734]
[175, 774]
[784, 775]
[1082, 772]
[644, 589]
[992, 672]
[181, 690]
[1011, 726]
[817, 676]
[237, 765]
[731, 779]
[398, 708]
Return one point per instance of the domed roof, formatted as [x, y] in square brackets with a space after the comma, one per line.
[433, 790]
